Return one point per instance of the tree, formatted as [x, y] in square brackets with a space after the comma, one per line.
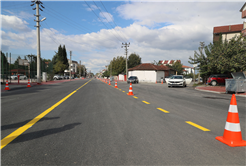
[177, 66]
[59, 67]
[222, 57]
[118, 65]
[61, 56]
[133, 60]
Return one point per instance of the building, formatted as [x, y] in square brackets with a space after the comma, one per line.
[74, 66]
[168, 62]
[230, 31]
[147, 72]
[188, 69]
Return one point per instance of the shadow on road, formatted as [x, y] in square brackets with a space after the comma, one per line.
[43, 133]
[20, 124]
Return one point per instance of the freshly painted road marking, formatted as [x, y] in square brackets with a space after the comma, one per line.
[145, 102]
[135, 97]
[163, 110]
[197, 126]
[120, 89]
[5, 141]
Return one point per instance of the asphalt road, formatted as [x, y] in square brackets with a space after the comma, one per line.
[87, 122]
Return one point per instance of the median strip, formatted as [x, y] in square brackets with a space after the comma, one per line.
[5, 141]
[197, 126]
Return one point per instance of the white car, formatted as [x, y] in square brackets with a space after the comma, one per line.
[176, 80]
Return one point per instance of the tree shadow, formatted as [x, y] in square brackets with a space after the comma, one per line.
[19, 124]
[43, 133]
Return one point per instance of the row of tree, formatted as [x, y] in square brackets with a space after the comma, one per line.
[118, 64]
[221, 57]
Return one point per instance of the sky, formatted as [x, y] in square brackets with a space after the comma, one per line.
[95, 30]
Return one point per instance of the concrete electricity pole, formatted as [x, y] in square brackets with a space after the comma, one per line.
[79, 68]
[70, 64]
[126, 45]
[201, 49]
[37, 2]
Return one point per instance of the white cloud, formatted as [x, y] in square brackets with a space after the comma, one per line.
[106, 17]
[15, 23]
[92, 7]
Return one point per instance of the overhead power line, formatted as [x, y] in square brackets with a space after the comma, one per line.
[108, 21]
[100, 19]
[112, 19]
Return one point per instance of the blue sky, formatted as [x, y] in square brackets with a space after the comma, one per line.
[160, 30]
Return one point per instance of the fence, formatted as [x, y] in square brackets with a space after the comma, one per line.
[14, 64]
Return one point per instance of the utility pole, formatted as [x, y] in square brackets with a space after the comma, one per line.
[79, 68]
[201, 49]
[37, 2]
[70, 64]
[126, 45]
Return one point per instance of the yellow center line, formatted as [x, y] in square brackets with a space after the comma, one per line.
[135, 97]
[197, 126]
[120, 89]
[123, 91]
[163, 110]
[5, 141]
[145, 102]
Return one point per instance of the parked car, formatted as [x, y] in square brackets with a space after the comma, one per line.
[13, 77]
[22, 77]
[216, 79]
[56, 77]
[66, 77]
[176, 80]
[132, 79]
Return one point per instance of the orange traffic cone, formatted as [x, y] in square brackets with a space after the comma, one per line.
[28, 84]
[162, 81]
[156, 81]
[115, 85]
[109, 83]
[7, 85]
[130, 90]
[232, 132]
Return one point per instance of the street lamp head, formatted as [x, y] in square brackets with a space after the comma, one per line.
[43, 19]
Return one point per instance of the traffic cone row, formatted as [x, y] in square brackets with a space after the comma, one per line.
[232, 132]
[130, 90]
[115, 86]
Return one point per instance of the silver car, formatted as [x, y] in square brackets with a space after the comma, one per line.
[176, 80]
[132, 79]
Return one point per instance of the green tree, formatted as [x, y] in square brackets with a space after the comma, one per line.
[118, 65]
[177, 66]
[222, 57]
[133, 60]
[61, 56]
[59, 67]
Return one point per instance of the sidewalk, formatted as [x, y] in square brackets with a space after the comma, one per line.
[217, 89]
[15, 85]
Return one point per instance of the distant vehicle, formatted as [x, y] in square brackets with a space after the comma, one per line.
[176, 80]
[13, 77]
[21, 77]
[62, 77]
[66, 77]
[132, 79]
[167, 78]
[56, 77]
[216, 79]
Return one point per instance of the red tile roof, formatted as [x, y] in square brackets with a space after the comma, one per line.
[149, 66]
[226, 29]
[187, 66]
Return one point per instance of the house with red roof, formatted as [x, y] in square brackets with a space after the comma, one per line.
[188, 69]
[230, 31]
[147, 72]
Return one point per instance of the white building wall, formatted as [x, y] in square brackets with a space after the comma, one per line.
[189, 70]
[144, 75]
[121, 77]
[229, 36]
